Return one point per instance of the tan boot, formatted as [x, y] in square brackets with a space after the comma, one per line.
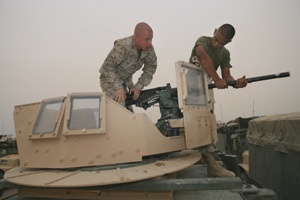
[214, 169]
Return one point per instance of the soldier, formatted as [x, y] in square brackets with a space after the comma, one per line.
[211, 53]
[128, 56]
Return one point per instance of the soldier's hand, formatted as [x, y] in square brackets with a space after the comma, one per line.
[221, 84]
[136, 93]
[120, 95]
[241, 82]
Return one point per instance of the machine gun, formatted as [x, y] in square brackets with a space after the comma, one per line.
[254, 79]
[167, 99]
[152, 96]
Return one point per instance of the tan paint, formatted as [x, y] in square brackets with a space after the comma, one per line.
[122, 137]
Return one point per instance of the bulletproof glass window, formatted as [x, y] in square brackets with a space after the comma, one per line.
[196, 94]
[85, 113]
[46, 121]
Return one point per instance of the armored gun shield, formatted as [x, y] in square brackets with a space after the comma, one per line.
[87, 139]
[194, 101]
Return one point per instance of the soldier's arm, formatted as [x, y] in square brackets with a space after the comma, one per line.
[207, 63]
[226, 74]
[109, 67]
[240, 82]
[149, 69]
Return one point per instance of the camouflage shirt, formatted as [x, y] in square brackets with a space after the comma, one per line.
[122, 62]
[220, 57]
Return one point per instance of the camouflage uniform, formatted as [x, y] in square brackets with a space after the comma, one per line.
[122, 62]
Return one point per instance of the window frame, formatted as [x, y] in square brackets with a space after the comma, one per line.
[183, 68]
[84, 131]
[58, 119]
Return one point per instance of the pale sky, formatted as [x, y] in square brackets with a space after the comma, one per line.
[49, 48]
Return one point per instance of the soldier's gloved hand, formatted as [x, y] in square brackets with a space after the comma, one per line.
[135, 92]
[120, 96]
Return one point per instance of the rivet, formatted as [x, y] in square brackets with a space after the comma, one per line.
[137, 150]
[98, 156]
[73, 159]
[91, 162]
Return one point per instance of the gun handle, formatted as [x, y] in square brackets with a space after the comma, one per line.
[230, 83]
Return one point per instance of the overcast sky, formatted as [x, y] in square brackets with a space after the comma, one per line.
[50, 48]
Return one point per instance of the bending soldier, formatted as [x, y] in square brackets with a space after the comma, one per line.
[129, 55]
[210, 53]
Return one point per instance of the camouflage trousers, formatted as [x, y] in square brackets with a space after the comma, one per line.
[109, 91]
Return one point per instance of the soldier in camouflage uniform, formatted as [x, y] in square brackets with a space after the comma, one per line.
[129, 55]
[211, 53]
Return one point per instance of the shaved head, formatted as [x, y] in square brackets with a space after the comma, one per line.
[143, 35]
[142, 27]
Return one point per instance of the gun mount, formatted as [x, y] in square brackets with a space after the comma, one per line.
[50, 132]
[167, 99]
[87, 146]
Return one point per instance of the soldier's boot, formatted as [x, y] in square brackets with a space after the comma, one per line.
[214, 169]
[204, 161]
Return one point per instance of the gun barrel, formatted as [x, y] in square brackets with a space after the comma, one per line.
[145, 94]
[254, 79]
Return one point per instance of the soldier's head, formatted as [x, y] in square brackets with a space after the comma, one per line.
[143, 35]
[222, 36]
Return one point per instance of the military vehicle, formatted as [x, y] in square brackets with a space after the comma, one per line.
[232, 137]
[274, 153]
[8, 145]
[8, 153]
[267, 149]
[232, 140]
[87, 146]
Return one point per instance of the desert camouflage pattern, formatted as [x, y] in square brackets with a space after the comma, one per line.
[122, 62]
